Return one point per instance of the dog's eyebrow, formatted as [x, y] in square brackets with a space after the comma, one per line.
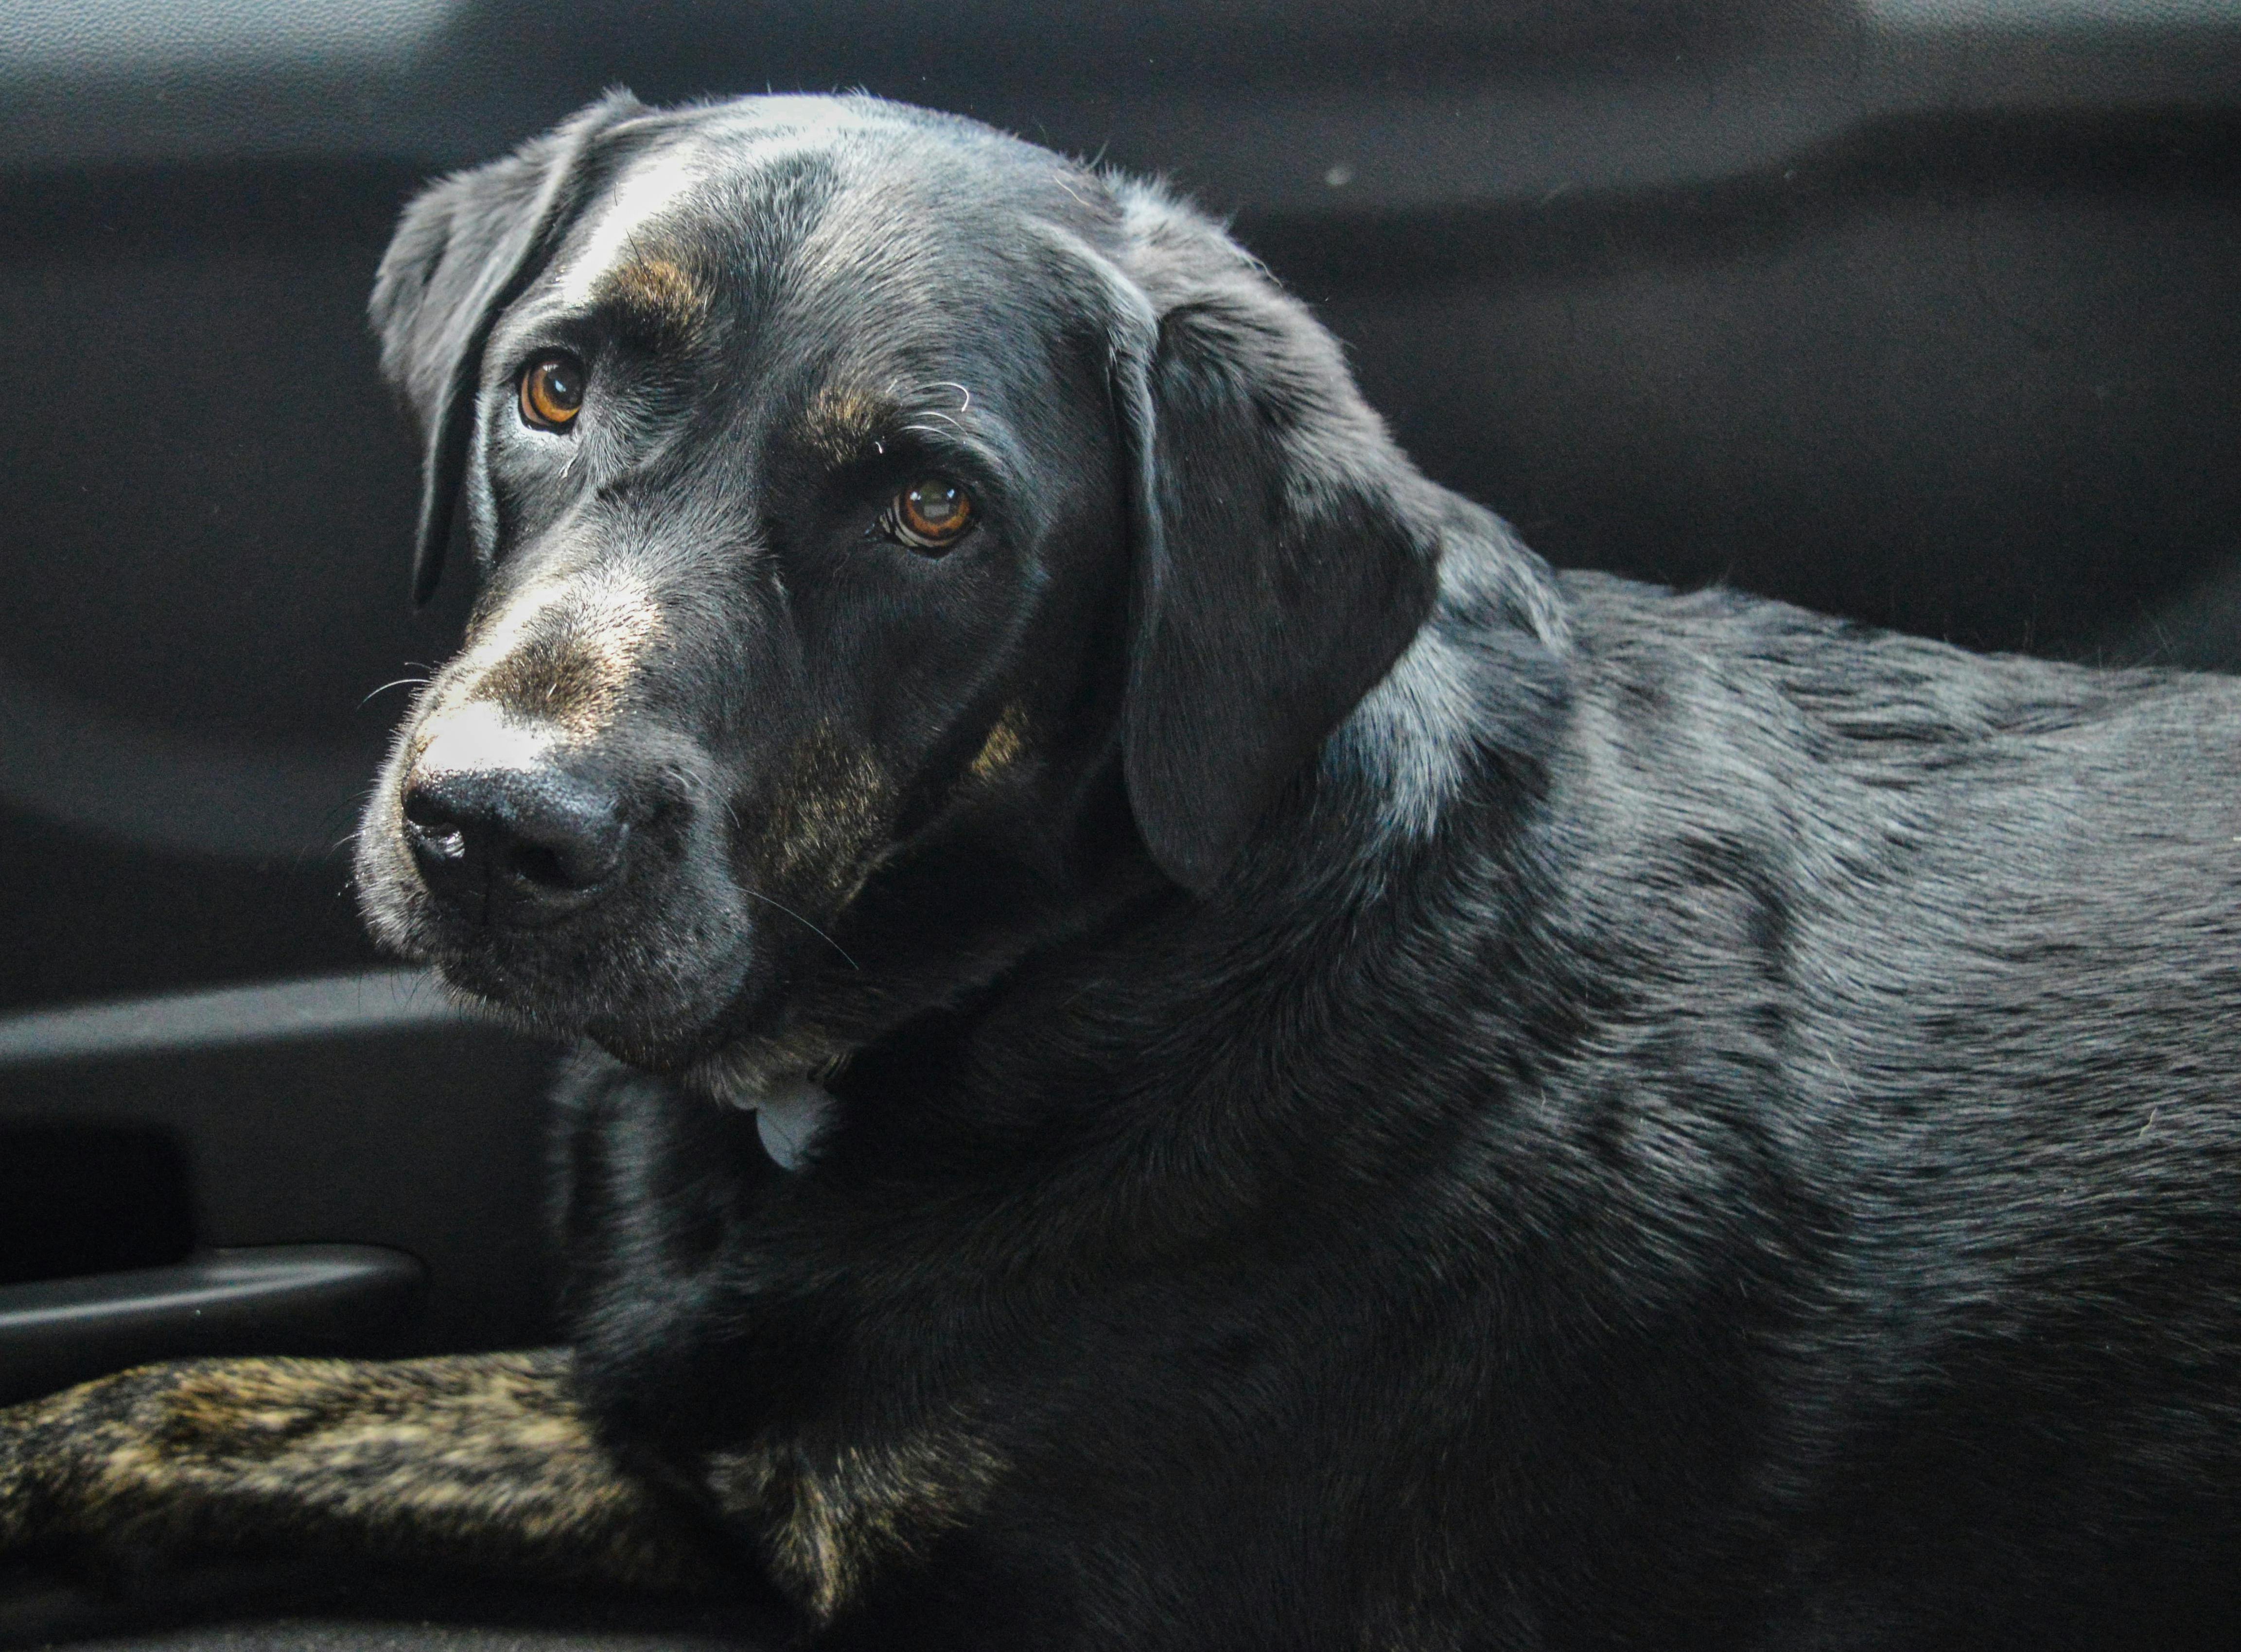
[655, 299]
[846, 423]
[841, 424]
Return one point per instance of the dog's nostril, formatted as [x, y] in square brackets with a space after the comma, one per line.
[536, 865]
[577, 855]
[425, 808]
[447, 844]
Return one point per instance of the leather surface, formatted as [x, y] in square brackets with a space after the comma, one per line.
[342, 1635]
[253, 1611]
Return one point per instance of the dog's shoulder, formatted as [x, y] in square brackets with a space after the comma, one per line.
[1718, 687]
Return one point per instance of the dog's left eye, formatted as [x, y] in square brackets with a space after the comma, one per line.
[552, 390]
[932, 514]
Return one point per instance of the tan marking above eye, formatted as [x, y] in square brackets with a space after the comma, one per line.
[552, 390]
[844, 425]
[657, 297]
[933, 513]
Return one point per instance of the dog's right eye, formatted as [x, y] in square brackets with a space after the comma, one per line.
[552, 390]
[930, 516]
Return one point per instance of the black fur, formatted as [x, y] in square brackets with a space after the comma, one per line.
[1385, 1098]
[1652, 1120]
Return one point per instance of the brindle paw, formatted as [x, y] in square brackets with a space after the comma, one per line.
[478, 1464]
[19, 1514]
[65, 1457]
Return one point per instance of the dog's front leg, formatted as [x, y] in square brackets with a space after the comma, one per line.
[475, 1464]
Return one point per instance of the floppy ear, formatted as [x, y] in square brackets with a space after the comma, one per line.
[467, 247]
[1286, 552]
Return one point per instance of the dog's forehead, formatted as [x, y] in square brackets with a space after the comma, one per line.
[776, 200]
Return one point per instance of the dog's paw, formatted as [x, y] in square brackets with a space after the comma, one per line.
[125, 1475]
[38, 1467]
[84, 1459]
[19, 1513]
[44, 1459]
[466, 1463]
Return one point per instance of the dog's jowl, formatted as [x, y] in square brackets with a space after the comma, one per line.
[1327, 1085]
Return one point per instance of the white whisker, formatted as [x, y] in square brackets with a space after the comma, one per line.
[805, 923]
[385, 687]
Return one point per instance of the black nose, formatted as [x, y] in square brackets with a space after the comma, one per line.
[513, 846]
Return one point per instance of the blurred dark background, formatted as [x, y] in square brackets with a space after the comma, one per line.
[1926, 311]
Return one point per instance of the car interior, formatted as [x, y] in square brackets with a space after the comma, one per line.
[1923, 312]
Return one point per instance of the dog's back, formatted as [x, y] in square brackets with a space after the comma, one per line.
[1919, 1045]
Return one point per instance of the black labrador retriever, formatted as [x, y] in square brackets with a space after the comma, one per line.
[1199, 1051]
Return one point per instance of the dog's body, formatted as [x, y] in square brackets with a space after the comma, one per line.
[1734, 1180]
[1384, 1098]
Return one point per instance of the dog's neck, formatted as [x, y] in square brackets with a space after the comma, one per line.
[1486, 676]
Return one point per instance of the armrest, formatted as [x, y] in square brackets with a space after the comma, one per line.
[291, 1299]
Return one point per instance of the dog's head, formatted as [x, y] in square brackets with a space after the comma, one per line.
[886, 529]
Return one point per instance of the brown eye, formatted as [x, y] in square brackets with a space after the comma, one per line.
[552, 392]
[932, 514]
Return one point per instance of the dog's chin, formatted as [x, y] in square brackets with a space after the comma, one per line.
[667, 1011]
[704, 1008]
[713, 1032]
[664, 1019]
